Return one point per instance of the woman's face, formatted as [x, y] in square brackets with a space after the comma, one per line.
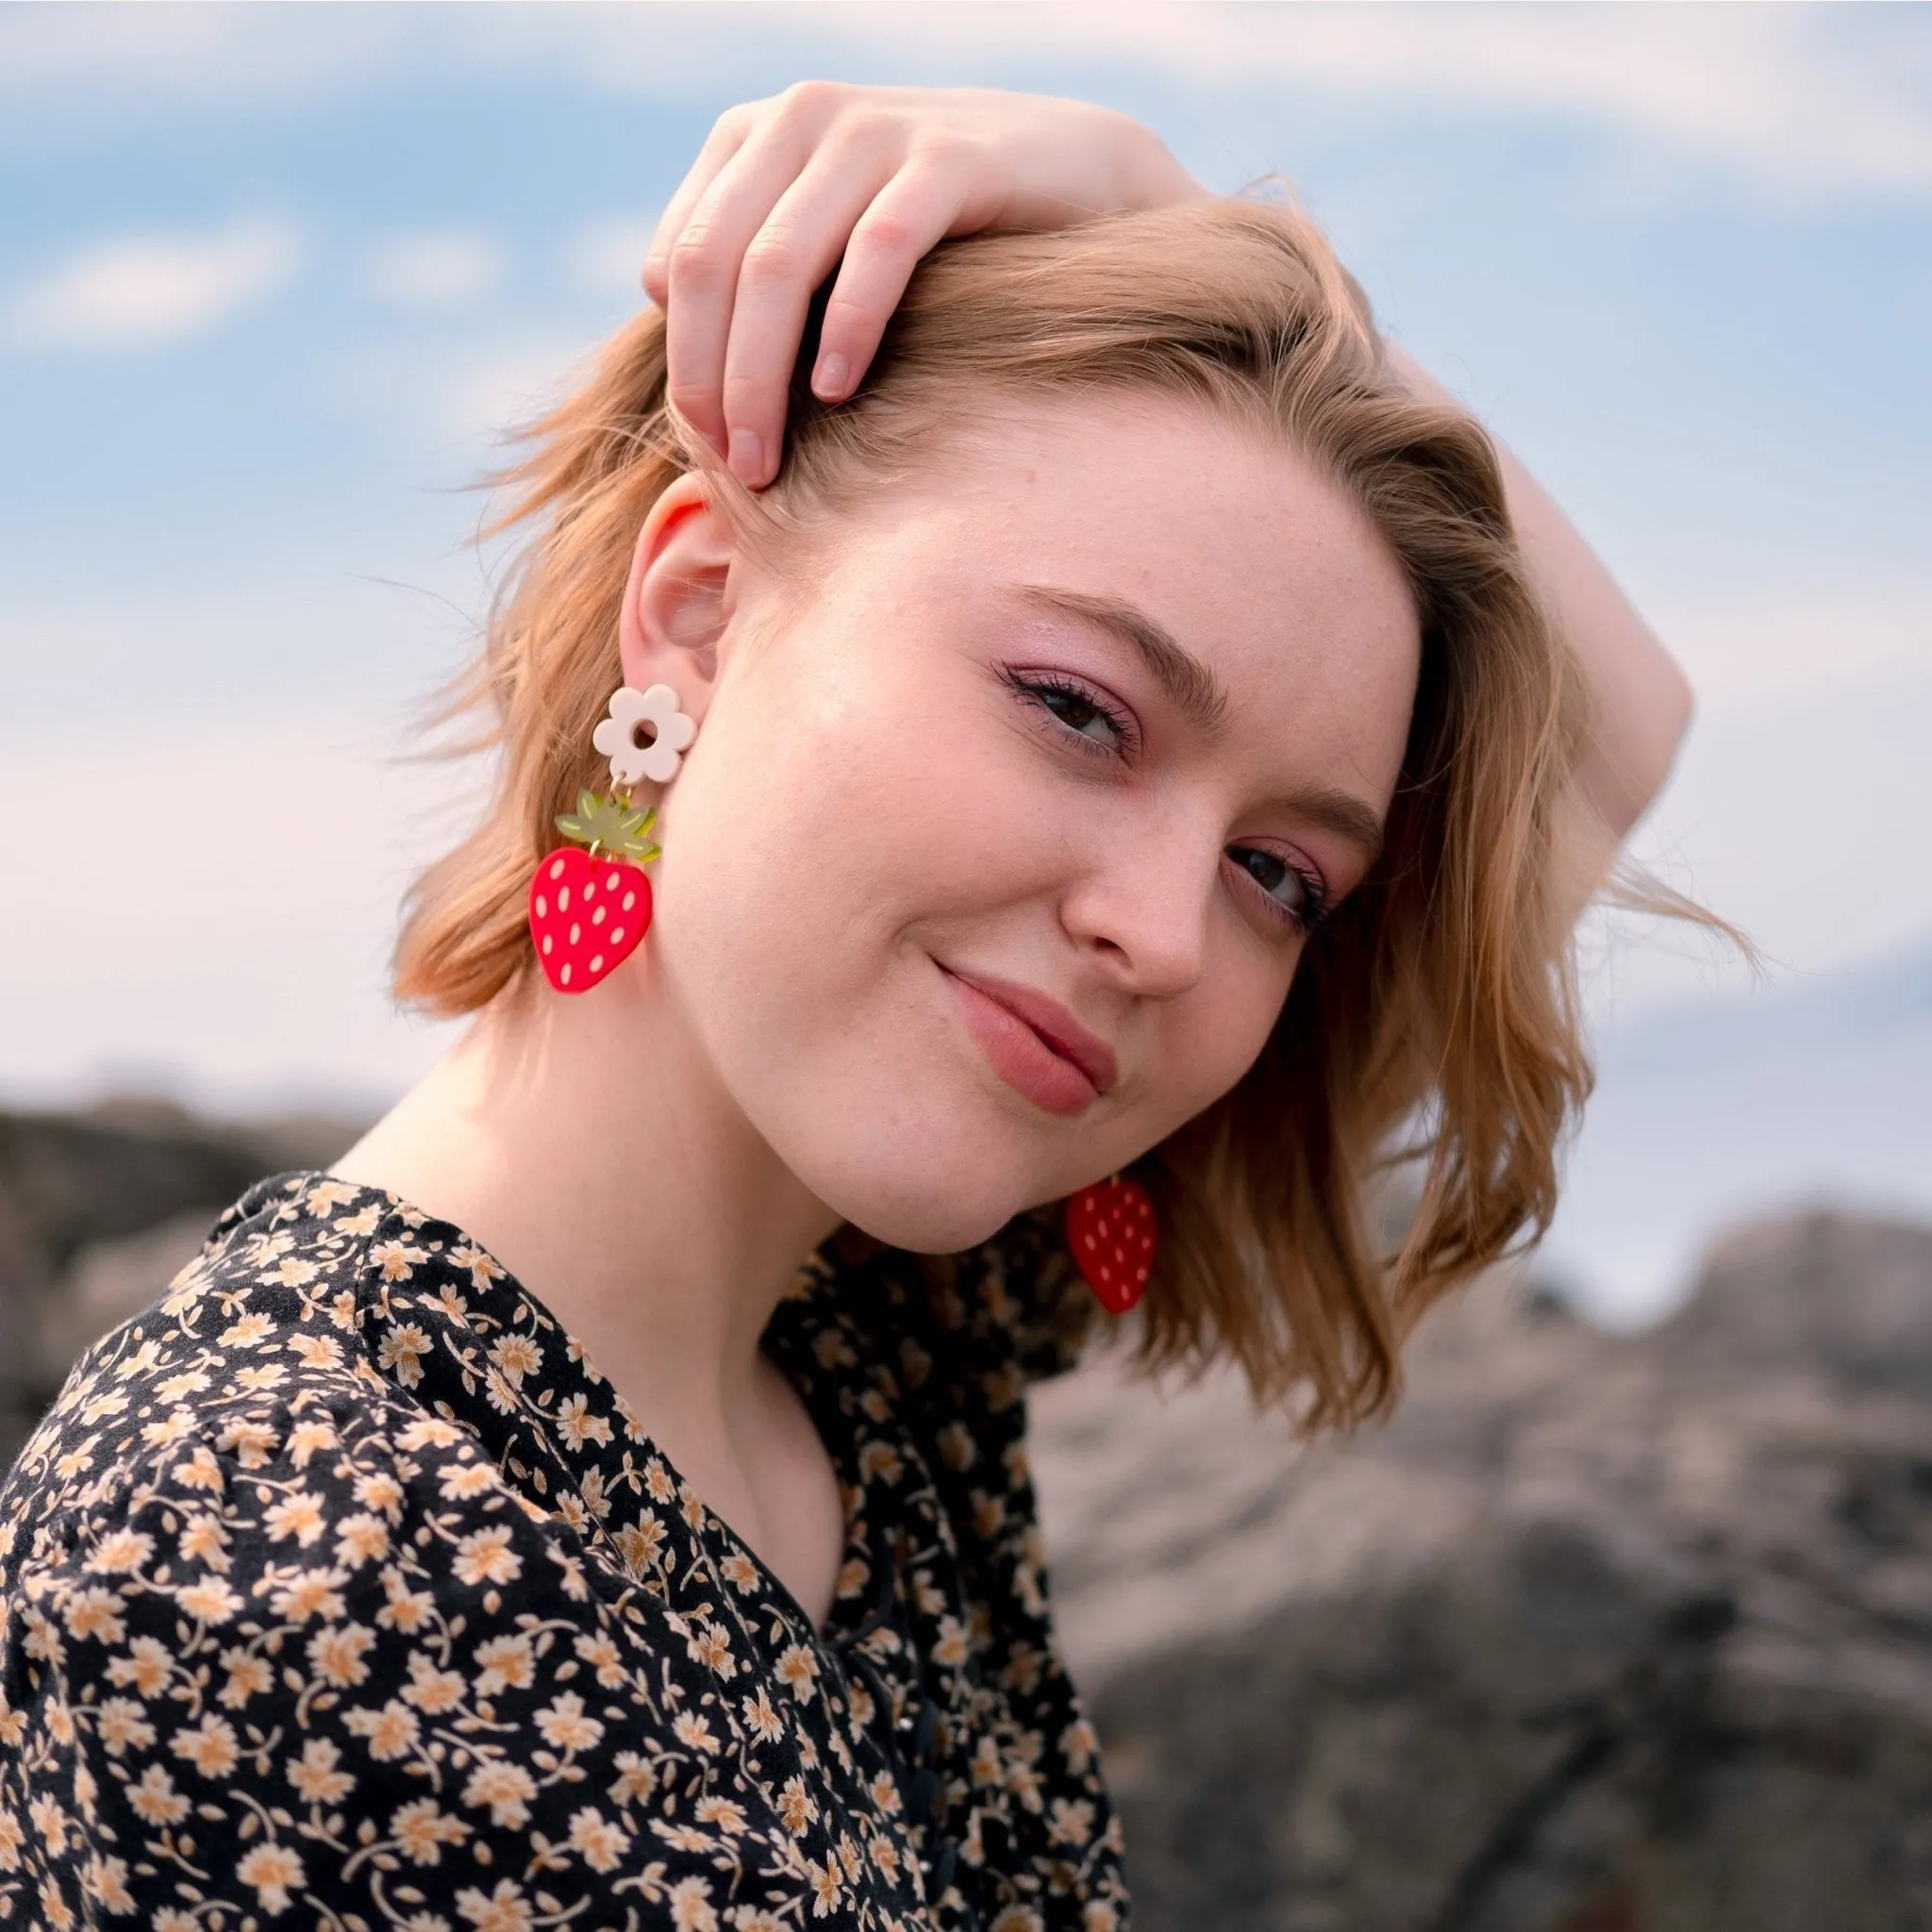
[1008, 815]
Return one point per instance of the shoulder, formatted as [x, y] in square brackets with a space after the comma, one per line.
[302, 1515]
[270, 1312]
[264, 1397]
[179, 1515]
[275, 1614]
[239, 1560]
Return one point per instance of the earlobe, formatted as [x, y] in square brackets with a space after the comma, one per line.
[677, 602]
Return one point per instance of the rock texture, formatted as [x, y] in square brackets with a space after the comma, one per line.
[1599, 1634]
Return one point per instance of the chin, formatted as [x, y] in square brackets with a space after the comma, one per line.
[931, 1200]
[930, 1229]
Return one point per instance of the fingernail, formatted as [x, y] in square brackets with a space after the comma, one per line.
[748, 455]
[829, 383]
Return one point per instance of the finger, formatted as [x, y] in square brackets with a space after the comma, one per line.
[705, 260]
[729, 133]
[791, 254]
[917, 209]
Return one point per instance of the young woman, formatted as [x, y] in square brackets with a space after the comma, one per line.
[1139, 728]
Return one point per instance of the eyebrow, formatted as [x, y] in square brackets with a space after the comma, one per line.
[1193, 688]
[1341, 813]
[1198, 694]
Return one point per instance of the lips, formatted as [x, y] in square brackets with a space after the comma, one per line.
[1033, 1043]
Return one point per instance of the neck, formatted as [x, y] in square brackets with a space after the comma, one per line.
[587, 1143]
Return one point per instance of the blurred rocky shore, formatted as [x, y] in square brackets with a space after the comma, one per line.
[1598, 1634]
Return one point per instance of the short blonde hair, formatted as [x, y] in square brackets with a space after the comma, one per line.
[1433, 1013]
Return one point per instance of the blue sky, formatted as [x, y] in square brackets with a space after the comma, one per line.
[269, 278]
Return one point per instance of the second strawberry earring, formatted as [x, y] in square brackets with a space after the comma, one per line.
[589, 908]
[1111, 1231]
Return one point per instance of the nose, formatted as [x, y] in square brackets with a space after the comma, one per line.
[1145, 906]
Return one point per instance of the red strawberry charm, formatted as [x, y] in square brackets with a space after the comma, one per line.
[1110, 1232]
[589, 910]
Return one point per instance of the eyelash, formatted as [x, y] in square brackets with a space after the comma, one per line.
[1038, 687]
[1314, 907]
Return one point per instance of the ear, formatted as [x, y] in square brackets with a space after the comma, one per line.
[677, 601]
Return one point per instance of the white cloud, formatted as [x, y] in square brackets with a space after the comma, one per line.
[1820, 98]
[145, 291]
[606, 255]
[1789, 93]
[435, 269]
[165, 61]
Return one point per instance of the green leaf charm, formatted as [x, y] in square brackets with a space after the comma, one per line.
[609, 827]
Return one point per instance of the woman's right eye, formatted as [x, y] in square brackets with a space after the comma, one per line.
[1079, 714]
[1077, 710]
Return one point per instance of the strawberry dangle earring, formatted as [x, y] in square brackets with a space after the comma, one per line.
[1111, 1231]
[589, 908]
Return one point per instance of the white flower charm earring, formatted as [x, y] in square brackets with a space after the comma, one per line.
[658, 757]
[589, 908]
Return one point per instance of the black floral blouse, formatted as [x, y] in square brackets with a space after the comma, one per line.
[339, 1590]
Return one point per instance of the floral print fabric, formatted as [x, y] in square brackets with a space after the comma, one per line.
[338, 1589]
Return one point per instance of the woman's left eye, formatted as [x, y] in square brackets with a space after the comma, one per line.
[1297, 894]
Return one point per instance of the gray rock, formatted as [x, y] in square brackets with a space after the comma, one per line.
[1598, 1634]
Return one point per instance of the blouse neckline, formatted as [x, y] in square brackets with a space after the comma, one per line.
[802, 1312]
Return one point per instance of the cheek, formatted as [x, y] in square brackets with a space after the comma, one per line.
[813, 818]
[875, 791]
[1210, 1039]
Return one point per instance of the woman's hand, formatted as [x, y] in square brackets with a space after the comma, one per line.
[785, 187]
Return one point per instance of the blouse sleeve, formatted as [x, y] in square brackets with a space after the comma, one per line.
[300, 1661]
